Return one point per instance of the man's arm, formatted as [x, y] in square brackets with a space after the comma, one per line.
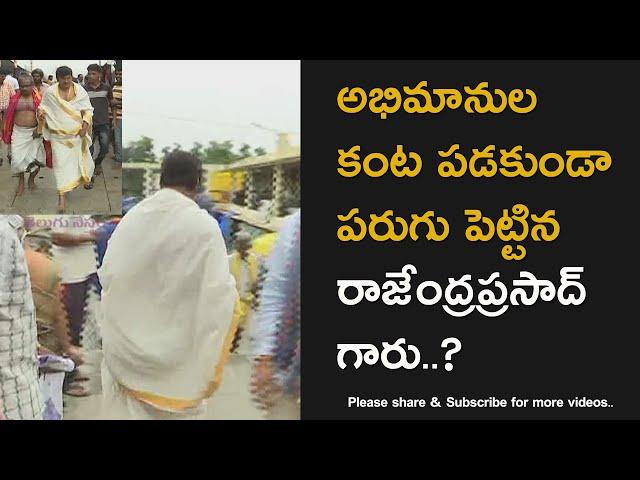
[71, 239]
[85, 125]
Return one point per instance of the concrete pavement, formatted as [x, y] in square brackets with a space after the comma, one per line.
[105, 198]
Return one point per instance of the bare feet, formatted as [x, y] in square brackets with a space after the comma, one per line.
[20, 189]
[62, 203]
[32, 179]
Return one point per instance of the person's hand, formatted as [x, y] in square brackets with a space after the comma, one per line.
[83, 130]
[76, 354]
[44, 351]
[41, 114]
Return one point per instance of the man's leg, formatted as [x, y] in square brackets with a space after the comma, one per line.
[102, 132]
[74, 301]
[118, 145]
[33, 173]
[20, 189]
[94, 135]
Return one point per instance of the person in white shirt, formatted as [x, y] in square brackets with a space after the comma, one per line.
[9, 78]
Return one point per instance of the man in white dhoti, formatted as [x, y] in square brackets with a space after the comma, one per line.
[66, 118]
[167, 303]
[19, 389]
[21, 132]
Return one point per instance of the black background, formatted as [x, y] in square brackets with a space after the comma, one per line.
[543, 351]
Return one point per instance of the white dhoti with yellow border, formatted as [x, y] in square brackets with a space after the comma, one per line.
[72, 161]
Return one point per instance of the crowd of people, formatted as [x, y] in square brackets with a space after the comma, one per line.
[173, 306]
[55, 124]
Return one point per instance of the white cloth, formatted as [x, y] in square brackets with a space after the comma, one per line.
[72, 161]
[19, 388]
[118, 405]
[51, 382]
[12, 81]
[77, 262]
[167, 300]
[25, 149]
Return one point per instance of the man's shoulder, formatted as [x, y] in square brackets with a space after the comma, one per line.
[100, 88]
[203, 223]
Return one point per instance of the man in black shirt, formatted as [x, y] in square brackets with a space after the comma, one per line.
[101, 97]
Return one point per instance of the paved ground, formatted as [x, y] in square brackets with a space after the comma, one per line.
[105, 198]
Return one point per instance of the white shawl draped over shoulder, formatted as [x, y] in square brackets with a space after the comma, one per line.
[72, 161]
[167, 302]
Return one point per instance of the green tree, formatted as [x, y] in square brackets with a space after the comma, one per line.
[165, 151]
[220, 153]
[140, 151]
[245, 150]
[197, 149]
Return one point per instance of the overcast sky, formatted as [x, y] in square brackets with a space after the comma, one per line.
[185, 101]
